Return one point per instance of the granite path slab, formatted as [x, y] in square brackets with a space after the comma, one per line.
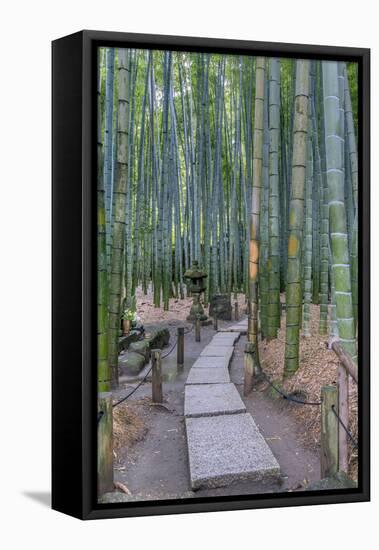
[212, 399]
[225, 449]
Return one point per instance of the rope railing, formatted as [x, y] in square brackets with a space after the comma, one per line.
[101, 413]
[331, 437]
[350, 436]
[313, 403]
[133, 390]
[289, 397]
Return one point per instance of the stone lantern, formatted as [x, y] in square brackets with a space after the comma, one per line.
[196, 286]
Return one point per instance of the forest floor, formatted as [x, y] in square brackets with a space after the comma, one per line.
[150, 445]
[318, 367]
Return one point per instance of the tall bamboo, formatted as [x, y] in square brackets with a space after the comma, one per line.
[353, 157]
[108, 142]
[273, 310]
[256, 205]
[118, 240]
[296, 216]
[307, 273]
[337, 214]
[263, 223]
[103, 370]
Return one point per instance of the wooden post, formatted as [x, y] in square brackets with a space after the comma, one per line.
[180, 348]
[156, 378]
[236, 314]
[248, 368]
[343, 411]
[329, 431]
[197, 329]
[104, 443]
[215, 323]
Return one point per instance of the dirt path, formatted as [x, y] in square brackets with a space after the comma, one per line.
[157, 466]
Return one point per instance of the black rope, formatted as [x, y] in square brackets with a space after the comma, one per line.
[133, 390]
[289, 397]
[190, 330]
[146, 375]
[171, 350]
[355, 443]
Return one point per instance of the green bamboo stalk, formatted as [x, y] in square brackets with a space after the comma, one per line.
[354, 269]
[316, 213]
[256, 206]
[273, 309]
[103, 370]
[117, 251]
[353, 157]
[296, 216]
[324, 241]
[337, 214]
[308, 236]
[264, 219]
[351, 144]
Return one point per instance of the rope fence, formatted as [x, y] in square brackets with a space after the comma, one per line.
[289, 397]
[350, 436]
[332, 444]
[334, 433]
[123, 399]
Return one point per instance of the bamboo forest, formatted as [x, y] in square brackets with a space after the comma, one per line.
[227, 273]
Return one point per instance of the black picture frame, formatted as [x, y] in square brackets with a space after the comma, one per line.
[74, 408]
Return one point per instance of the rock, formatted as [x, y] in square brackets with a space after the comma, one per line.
[125, 341]
[158, 338]
[133, 364]
[142, 347]
[220, 304]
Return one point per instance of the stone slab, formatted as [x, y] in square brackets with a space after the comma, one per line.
[225, 449]
[212, 399]
[217, 350]
[208, 375]
[242, 329]
[233, 336]
[211, 362]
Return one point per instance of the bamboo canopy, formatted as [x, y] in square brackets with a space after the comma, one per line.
[246, 165]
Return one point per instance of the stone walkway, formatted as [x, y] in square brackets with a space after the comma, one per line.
[223, 441]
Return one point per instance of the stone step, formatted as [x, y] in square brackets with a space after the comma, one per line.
[240, 327]
[211, 362]
[217, 350]
[212, 399]
[208, 375]
[225, 338]
[227, 448]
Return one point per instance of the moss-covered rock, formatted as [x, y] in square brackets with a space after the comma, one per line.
[125, 341]
[133, 364]
[141, 347]
[158, 338]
